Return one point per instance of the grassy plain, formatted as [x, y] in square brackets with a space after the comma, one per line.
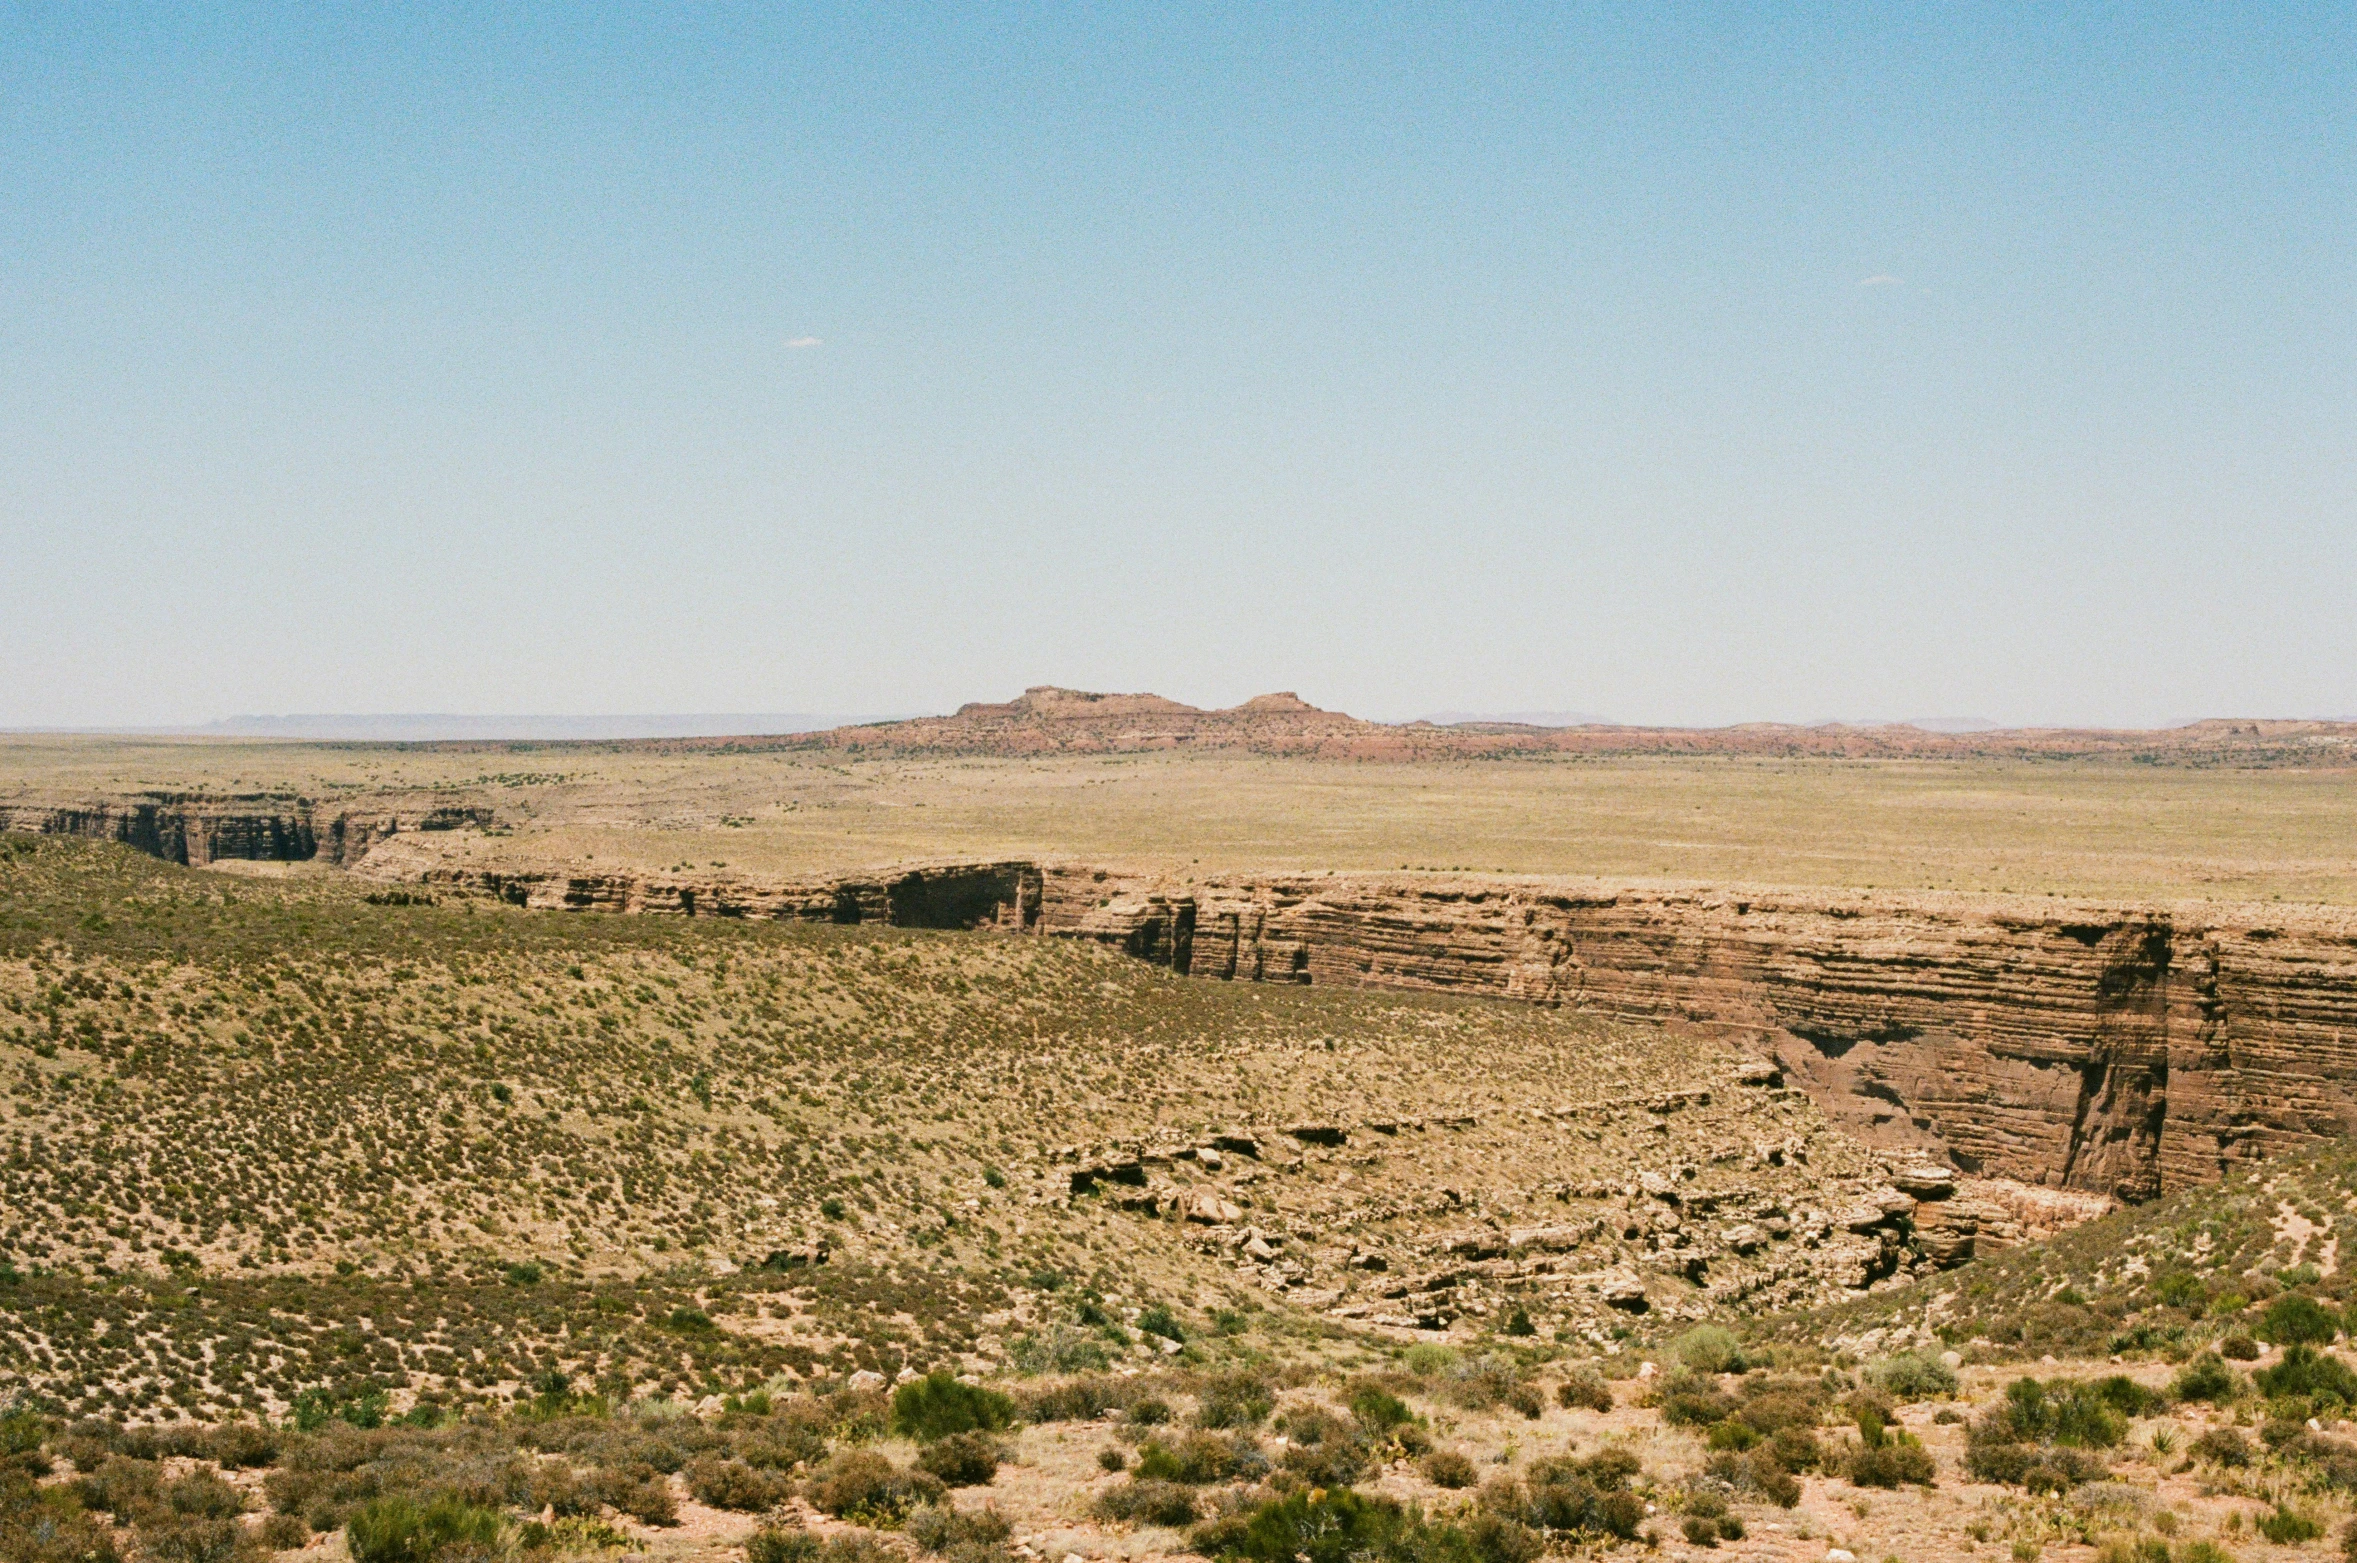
[2115, 830]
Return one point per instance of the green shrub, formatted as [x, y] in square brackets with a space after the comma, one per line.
[1689, 1400]
[1076, 1400]
[2222, 1446]
[1586, 1389]
[1313, 1527]
[1709, 1348]
[1564, 1495]
[1912, 1376]
[1758, 1472]
[961, 1459]
[1147, 1502]
[1240, 1398]
[733, 1484]
[937, 1406]
[1058, 1349]
[2306, 1372]
[397, 1529]
[203, 1495]
[1731, 1434]
[1159, 1320]
[2181, 1289]
[2239, 1348]
[1429, 1359]
[792, 1544]
[1897, 1460]
[859, 1484]
[283, 1533]
[1325, 1451]
[1446, 1468]
[2038, 1437]
[2287, 1528]
[2206, 1377]
[939, 1529]
[2295, 1319]
[781, 1544]
[1378, 1410]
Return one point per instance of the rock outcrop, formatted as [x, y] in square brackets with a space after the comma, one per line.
[197, 830]
[2108, 1049]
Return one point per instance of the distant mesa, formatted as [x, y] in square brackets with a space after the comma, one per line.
[1050, 719]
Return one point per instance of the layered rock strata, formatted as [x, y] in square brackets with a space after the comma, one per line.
[2114, 1050]
[198, 830]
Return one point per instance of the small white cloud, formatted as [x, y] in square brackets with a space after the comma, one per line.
[1881, 279]
[802, 341]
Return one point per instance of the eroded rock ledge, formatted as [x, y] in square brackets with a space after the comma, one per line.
[2116, 1050]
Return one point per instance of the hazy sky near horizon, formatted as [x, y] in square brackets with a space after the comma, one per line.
[1694, 363]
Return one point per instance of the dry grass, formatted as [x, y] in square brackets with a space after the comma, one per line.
[2096, 829]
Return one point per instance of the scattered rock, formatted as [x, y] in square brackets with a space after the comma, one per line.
[1329, 1134]
[1626, 1293]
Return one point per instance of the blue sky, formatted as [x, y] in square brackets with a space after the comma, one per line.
[1676, 363]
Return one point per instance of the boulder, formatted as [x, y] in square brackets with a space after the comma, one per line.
[1128, 1170]
[1328, 1134]
[1927, 1181]
[1624, 1292]
[1746, 1239]
[1475, 1243]
[1206, 1207]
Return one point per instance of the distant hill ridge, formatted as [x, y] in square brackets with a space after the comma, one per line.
[1047, 719]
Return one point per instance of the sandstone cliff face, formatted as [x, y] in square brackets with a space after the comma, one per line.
[952, 895]
[197, 831]
[2116, 1051]
[2121, 1051]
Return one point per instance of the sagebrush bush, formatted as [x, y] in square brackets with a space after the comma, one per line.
[862, 1485]
[1584, 1388]
[961, 1459]
[1913, 1376]
[398, 1529]
[733, 1484]
[1447, 1468]
[1147, 1502]
[937, 1406]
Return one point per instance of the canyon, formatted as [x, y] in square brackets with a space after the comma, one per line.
[2117, 1043]
[2117, 1049]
